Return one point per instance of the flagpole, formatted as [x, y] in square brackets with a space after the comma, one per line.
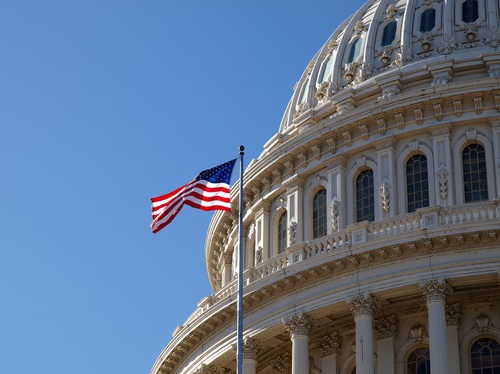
[239, 306]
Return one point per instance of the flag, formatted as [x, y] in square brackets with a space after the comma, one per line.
[209, 190]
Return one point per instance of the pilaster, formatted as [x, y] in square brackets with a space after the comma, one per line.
[336, 193]
[443, 167]
[386, 177]
[295, 197]
[330, 346]
[385, 332]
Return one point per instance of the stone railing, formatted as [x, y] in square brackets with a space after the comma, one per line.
[456, 217]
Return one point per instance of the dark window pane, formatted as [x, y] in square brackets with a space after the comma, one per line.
[428, 20]
[365, 198]
[319, 214]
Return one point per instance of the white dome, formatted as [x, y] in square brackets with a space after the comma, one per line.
[382, 187]
[389, 48]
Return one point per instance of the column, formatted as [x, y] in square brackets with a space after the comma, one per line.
[251, 348]
[299, 327]
[435, 292]
[495, 128]
[363, 307]
[453, 314]
[330, 353]
[385, 330]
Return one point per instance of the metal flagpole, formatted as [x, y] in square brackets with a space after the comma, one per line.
[239, 306]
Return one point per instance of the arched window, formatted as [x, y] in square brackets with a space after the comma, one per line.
[319, 214]
[327, 69]
[485, 356]
[419, 361]
[355, 51]
[389, 33]
[470, 11]
[474, 173]
[282, 228]
[428, 20]
[365, 199]
[417, 183]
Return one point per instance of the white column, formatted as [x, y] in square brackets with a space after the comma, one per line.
[251, 348]
[386, 329]
[299, 327]
[363, 307]
[330, 353]
[435, 292]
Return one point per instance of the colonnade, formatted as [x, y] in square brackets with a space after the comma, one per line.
[363, 308]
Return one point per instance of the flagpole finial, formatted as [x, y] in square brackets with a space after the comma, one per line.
[242, 149]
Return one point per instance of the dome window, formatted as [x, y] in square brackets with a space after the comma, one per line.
[470, 11]
[319, 214]
[355, 51]
[419, 361]
[327, 69]
[389, 33]
[474, 173]
[282, 228]
[428, 20]
[485, 356]
[417, 183]
[365, 198]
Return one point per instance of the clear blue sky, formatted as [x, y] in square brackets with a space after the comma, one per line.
[104, 104]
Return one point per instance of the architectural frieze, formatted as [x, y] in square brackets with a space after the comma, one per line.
[386, 327]
[330, 344]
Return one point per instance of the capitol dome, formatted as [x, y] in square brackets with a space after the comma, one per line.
[372, 218]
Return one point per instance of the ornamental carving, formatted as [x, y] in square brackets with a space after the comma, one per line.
[403, 56]
[207, 369]
[447, 44]
[417, 333]
[482, 323]
[386, 55]
[453, 314]
[494, 71]
[335, 212]
[283, 364]
[300, 324]
[470, 30]
[389, 91]
[442, 175]
[385, 193]
[332, 45]
[292, 231]
[330, 344]
[322, 91]
[360, 27]
[426, 40]
[350, 71]
[363, 305]
[386, 327]
[364, 72]
[391, 11]
[441, 78]
[493, 37]
[251, 348]
[435, 290]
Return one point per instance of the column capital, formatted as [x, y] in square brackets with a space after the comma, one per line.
[453, 314]
[300, 324]
[435, 290]
[283, 364]
[386, 327]
[251, 348]
[330, 344]
[363, 305]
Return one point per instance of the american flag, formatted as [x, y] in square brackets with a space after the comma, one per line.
[209, 190]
